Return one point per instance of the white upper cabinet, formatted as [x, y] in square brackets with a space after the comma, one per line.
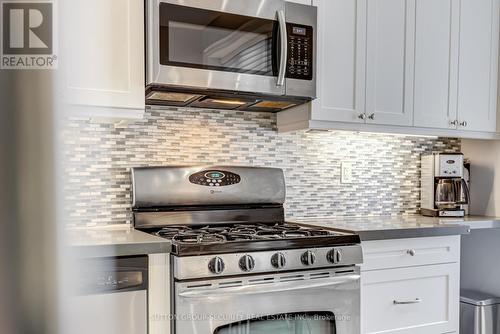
[478, 65]
[341, 56]
[103, 57]
[304, 2]
[389, 70]
[436, 59]
[425, 67]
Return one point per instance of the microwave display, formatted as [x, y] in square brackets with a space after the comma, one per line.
[299, 31]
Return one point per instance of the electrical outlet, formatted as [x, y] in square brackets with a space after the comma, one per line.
[346, 172]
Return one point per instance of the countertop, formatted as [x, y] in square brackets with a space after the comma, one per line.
[111, 241]
[124, 240]
[400, 227]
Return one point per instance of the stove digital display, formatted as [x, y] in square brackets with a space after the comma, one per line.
[215, 175]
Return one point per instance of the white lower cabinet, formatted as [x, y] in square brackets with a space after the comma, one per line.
[419, 294]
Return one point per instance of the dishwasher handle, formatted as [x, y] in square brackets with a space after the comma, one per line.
[113, 281]
[113, 275]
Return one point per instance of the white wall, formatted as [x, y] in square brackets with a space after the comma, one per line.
[485, 176]
[479, 271]
[480, 249]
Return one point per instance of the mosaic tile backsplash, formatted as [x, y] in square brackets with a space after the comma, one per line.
[386, 168]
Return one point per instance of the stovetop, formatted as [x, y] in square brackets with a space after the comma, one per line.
[218, 239]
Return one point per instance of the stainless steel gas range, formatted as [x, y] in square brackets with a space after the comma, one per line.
[237, 266]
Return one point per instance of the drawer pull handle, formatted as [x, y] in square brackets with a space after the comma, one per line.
[411, 252]
[407, 302]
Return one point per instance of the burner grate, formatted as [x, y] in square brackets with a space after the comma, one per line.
[239, 232]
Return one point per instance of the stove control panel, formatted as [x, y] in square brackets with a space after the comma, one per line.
[191, 267]
[214, 178]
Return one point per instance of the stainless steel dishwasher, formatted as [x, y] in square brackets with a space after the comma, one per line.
[111, 296]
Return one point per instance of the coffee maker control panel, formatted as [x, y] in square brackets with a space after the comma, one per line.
[450, 165]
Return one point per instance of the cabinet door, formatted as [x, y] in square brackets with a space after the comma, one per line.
[415, 300]
[341, 56]
[478, 65]
[390, 53]
[304, 2]
[398, 253]
[436, 63]
[103, 63]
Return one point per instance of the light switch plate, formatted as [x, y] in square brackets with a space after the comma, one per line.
[346, 172]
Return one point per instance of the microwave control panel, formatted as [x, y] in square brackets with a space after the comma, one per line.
[300, 52]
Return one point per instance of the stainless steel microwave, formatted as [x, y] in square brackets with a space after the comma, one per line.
[231, 54]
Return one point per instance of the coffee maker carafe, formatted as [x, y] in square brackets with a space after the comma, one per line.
[444, 189]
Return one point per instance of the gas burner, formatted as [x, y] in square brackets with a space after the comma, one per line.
[171, 231]
[212, 229]
[198, 238]
[243, 230]
[313, 232]
[286, 227]
[270, 234]
[295, 234]
[238, 236]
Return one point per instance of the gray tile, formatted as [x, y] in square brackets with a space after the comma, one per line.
[98, 158]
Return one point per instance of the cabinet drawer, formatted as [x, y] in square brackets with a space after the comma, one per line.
[411, 300]
[397, 253]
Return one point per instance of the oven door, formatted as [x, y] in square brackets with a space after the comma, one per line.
[316, 302]
[220, 45]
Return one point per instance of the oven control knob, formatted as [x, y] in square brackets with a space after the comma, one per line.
[334, 256]
[278, 260]
[308, 258]
[247, 263]
[216, 265]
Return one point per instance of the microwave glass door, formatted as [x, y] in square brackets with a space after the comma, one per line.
[214, 40]
[296, 323]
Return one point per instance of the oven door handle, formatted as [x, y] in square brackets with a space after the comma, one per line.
[269, 288]
[284, 48]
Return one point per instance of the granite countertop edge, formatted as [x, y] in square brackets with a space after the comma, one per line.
[372, 228]
[114, 241]
[410, 233]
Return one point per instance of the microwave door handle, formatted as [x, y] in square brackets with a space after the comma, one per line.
[269, 288]
[284, 48]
